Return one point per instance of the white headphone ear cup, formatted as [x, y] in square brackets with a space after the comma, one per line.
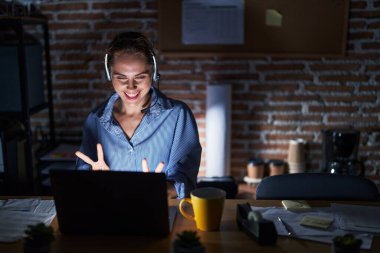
[106, 67]
[156, 76]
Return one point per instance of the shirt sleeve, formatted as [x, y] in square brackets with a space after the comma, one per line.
[89, 141]
[185, 155]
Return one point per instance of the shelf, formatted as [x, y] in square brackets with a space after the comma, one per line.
[63, 152]
[10, 132]
[18, 114]
[23, 115]
[46, 167]
[7, 20]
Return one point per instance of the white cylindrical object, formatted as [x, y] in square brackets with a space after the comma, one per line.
[296, 151]
[218, 130]
[296, 167]
[296, 155]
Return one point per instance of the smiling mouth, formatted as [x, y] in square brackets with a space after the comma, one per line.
[132, 96]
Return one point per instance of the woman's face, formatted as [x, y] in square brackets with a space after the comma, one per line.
[132, 79]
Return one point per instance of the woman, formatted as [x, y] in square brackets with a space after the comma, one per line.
[138, 128]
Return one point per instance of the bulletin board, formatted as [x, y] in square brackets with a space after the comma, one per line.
[309, 28]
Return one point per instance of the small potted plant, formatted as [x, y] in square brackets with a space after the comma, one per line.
[38, 238]
[188, 242]
[347, 243]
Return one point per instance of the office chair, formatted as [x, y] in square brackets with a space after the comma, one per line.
[317, 186]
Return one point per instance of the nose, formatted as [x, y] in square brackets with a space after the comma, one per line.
[131, 84]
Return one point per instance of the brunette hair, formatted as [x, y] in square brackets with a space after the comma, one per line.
[131, 43]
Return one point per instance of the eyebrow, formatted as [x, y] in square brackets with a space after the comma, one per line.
[142, 73]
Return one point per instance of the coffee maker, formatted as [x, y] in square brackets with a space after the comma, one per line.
[340, 152]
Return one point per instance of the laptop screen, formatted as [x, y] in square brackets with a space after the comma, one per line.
[110, 202]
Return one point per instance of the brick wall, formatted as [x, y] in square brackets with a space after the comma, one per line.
[274, 99]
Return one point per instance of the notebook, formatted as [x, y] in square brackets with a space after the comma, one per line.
[111, 202]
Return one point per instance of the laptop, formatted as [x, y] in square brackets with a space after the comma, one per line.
[111, 202]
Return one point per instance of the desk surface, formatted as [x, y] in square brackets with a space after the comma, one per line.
[228, 239]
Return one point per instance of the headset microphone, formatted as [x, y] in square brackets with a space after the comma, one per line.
[144, 110]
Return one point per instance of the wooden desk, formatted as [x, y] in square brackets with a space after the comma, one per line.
[228, 239]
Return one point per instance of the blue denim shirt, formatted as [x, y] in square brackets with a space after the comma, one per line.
[167, 133]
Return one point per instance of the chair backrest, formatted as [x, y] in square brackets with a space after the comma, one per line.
[317, 186]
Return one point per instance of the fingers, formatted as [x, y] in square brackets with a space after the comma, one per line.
[145, 167]
[144, 164]
[100, 152]
[105, 167]
[98, 165]
[84, 157]
[160, 167]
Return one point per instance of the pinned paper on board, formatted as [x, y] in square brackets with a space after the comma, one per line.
[212, 22]
[273, 18]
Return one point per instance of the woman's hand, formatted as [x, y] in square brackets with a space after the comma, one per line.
[145, 167]
[101, 164]
[98, 165]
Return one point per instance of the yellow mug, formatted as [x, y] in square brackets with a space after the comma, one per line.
[207, 203]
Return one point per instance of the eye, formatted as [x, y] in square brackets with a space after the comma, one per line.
[140, 78]
[122, 79]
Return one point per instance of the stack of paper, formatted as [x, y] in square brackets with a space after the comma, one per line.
[17, 214]
[358, 218]
[293, 220]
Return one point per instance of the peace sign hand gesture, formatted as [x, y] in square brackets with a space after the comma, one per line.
[98, 165]
[101, 164]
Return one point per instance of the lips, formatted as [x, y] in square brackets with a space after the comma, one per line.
[132, 96]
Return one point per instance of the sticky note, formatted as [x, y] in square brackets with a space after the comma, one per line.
[295, 205]
[317, 222]
[273, 18]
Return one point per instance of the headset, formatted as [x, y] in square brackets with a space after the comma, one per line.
[156, 75]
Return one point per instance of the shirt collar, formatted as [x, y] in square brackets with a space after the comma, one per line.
[159, 102]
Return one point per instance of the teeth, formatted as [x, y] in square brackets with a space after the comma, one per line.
[132, 95]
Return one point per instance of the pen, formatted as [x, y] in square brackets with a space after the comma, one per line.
[287, 228]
